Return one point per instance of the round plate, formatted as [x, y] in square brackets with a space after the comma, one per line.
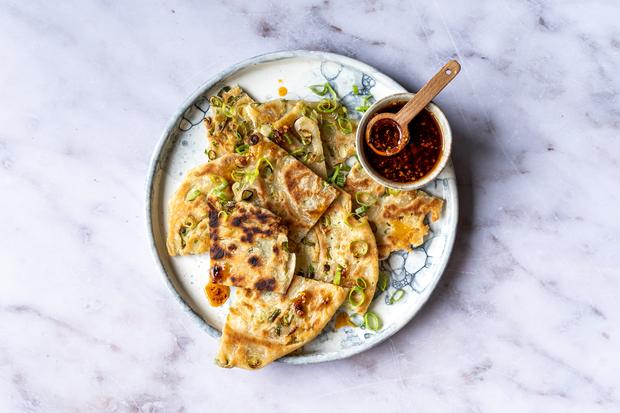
[182, 145]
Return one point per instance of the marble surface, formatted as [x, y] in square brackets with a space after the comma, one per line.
[526, 317]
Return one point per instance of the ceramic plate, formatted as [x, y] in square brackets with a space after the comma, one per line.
[182, 145]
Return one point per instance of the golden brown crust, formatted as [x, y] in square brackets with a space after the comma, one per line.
[247, 249]
[262, 171]
[262, 327]
[333, 246]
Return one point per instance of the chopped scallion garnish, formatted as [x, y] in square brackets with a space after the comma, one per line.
[242, 149]
[345, 125]
[365, 198]
[372, 321]
[247, 194]
[327, 106]
[191, 195]
[384, 281]
[338, 275]
[361, 282]
[211, 154]
[216, 101]
[356, 91]
[326, 221]
[357, 296]
[397, 296]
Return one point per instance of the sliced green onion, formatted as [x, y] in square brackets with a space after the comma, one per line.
[361, 282]
[338, 275]
[359, 248]
[356, 91]
[223, 90]
[365, 104]
[227, 111]
[365, 198]
[360, 211]
[247, 194]
[327, 106]
[274, 315]
[323, 89]
[383, 282]
[286, 320]
[307, 242]
[310, 270]
[299, 152]
[287, 138]
[372, 321]
[216, 101]
[357, 296]
[237, 175]
[397, 296]
[191, 195]
[326, 221]
[391, 191]
[331, 90]
[320, 90]
[211, 154]
[223, 214]
[285, 246]
[345, 125]
[242, 149]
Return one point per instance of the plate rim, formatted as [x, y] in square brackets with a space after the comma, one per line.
[154, 165]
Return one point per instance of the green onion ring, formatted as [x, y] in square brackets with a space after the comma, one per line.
[365, 198]
[338, 275]
[397, 296]
[361, 283]
[372, 321]
[247, 194]
[359, 292]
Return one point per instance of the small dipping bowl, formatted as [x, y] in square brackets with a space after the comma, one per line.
[446, 147]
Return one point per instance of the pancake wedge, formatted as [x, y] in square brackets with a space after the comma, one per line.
[264, 326]
[266, 176]
[340, 249]
[238, 120]
[249, 249]
[397, 216]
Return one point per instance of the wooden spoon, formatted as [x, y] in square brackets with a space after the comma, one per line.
[387, 133]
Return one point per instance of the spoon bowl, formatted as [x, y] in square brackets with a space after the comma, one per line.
[387, 133]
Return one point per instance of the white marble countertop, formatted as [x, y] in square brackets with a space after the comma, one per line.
[526, 317]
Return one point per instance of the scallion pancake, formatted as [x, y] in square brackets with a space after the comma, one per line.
[264, 326]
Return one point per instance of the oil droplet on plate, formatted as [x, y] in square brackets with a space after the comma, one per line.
[282, 91]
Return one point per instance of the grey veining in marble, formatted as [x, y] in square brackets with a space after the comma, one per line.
[526, 317]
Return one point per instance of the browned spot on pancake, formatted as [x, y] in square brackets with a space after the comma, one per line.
[299, 303]
[213, 218]
[217, 274]
[232, 248]
[217, 253]
[276, 250]
[266, 284]
[236, 221]
[262, 217]
[254, 261]
[236, 279]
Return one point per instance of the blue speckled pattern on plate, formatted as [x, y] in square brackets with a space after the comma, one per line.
[182, 145]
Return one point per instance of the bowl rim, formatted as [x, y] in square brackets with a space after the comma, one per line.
[446, 134]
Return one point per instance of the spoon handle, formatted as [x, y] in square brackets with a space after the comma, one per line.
[428, 92]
